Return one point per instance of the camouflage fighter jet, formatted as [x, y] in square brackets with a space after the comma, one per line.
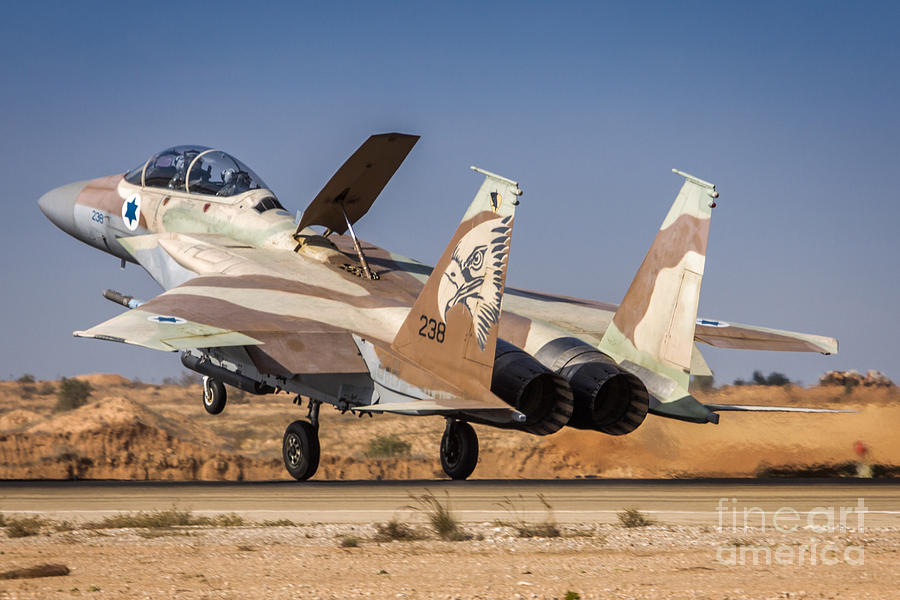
[257, 300]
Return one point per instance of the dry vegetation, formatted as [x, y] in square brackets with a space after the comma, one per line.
[546, 528]
[440, 516]
[632, 517]
[396, 530]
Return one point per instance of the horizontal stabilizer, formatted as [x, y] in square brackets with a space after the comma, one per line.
[722, 334]
[353, 189]
[796, 409]
[686, 408]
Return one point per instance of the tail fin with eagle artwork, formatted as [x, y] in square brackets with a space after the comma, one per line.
[452, 327]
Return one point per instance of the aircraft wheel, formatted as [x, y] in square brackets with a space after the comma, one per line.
[214, 396]
[459, 450]
[300, 450]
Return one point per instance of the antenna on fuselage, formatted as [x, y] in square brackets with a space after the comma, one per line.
[362, 257]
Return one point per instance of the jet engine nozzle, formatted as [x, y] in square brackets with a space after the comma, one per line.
[541, 395]
[607, 398]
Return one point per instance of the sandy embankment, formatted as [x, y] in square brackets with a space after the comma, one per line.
[140, 431]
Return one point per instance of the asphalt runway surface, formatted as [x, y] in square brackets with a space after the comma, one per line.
[703, 502]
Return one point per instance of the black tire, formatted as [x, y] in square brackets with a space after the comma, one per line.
[459, 450]
[214, 396]
[300, 450]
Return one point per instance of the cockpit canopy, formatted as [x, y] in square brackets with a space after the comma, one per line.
[196, 170]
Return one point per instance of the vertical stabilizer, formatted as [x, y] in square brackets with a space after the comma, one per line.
[652, 332]
[452, 328]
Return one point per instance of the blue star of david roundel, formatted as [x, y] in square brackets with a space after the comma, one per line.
[131, 212]
[166, 320]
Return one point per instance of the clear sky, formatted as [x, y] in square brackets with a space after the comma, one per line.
[791, 108]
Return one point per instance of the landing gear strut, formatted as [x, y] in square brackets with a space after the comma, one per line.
[300, 447]
[214, 395]
[459, 449]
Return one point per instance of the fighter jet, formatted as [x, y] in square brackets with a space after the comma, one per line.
[262, 301]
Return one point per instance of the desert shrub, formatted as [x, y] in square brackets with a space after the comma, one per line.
[26, 378]
[570, 595]
[25, 527]
[632, 517]
[136, 384]
[773, 378]
[387, 446]
[224, 520]
[46, 389]
[279, 523]
[72, 393]
[441, 517]
[189, 378]
[349, 541]
[164, 519]
[395, 530]
[546, 528]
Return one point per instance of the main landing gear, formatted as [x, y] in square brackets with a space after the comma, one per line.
[459, 449]
[214, 395]
[300, 447]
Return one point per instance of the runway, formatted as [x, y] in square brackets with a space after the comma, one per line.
[706, 502]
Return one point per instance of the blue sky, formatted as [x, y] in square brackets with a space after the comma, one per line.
[791, 108]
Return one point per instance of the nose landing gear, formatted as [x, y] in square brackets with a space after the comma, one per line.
[214, 395]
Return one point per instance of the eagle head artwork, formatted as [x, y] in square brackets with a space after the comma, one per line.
[474, 277]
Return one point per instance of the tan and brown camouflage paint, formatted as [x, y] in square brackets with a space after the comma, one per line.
[304, 305]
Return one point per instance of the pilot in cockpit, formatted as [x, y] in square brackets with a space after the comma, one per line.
[201, 175]
[182, 163]
[233, 182]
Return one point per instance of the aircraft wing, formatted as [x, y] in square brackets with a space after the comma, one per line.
[141, 327]
[215, 311]
[748, 337]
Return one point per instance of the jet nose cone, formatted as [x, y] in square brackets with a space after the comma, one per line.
[58, 205]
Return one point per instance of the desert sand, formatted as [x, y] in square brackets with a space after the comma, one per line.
[131, 430]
